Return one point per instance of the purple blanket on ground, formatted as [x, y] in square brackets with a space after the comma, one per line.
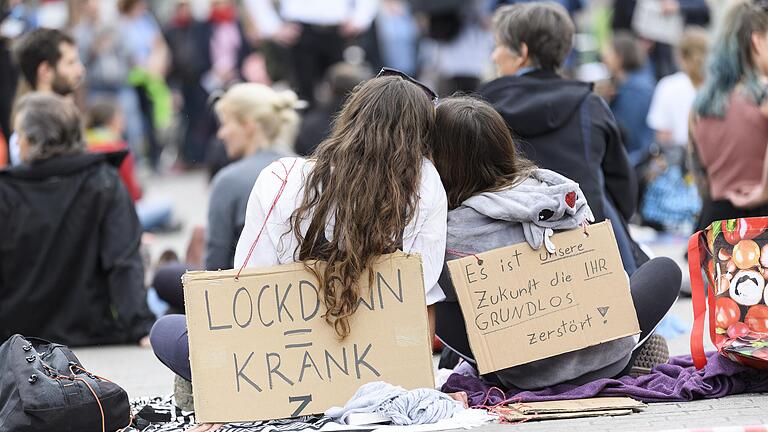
[676, 381]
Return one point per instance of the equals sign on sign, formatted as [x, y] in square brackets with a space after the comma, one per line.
[298, 332]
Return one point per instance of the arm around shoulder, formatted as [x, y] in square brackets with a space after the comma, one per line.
[430, 232]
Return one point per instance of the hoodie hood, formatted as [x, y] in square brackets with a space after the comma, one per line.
[64, 164]
[536, 103]
[542, 204]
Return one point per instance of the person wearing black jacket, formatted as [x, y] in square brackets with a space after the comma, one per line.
[70, 269]
[561, 124]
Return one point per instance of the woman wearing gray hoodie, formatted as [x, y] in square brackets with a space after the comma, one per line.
[497, 198]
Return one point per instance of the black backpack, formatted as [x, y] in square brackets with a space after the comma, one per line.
[44, 387]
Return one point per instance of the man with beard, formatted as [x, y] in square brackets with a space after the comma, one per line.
[49, 62]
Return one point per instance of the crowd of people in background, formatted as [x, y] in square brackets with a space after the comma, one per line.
[163, 64]
[630, 112]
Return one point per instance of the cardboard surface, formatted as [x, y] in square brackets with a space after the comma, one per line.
[515, 416]
[580, 405]
[522, 305]
[577, 408]
[260, 349]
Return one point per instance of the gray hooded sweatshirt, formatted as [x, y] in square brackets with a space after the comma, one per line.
[531, 212]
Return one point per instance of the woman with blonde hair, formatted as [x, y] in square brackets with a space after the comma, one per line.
[256, 124]
[370, 189]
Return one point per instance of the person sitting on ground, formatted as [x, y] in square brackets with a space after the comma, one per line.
[388, 200]
[634, 85]
[489, 185]
[48, 61]
[730, 119]
[669, 114]
[103, 134]
[256, 123]
[316, 125]
[105, 126]
[564, 126]
[69, 242]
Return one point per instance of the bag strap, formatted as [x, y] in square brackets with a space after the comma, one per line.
[699, 304]
[283, 184]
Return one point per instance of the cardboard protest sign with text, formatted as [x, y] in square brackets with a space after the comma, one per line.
[261, 349]
[522, 305]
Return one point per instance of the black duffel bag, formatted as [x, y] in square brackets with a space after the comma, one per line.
[44, 387]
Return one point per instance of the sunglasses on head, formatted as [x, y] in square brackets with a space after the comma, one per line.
[385, 71]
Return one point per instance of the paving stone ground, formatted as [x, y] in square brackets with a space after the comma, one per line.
[139, 372]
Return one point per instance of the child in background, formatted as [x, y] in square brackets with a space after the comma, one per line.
[104, 134]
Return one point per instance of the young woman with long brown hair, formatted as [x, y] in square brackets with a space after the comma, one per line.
[498, 198]
[729, 125]
[370, 189]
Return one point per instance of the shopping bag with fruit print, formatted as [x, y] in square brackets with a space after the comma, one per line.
[728, 263]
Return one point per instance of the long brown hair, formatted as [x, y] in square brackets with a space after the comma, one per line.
[366, 176]
[473, 150]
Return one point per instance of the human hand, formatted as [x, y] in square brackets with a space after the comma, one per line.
[350, 30]
[205, 427]
[461, 397]
[144, 342]
[287, 35]
[749, 197]
[669, 7]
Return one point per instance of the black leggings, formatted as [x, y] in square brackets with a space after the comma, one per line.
[654, 287]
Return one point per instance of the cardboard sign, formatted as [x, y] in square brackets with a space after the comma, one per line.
[261, 349]
[522, 305]
[592, 407]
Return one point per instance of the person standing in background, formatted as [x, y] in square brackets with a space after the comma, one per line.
[315, 32]
[106, 56]
[318, 121]
[187, 38]
[661, 53]
[149, 61]
[398, 34]
[457, 44]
